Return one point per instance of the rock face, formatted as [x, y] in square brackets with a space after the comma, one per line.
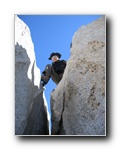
[78, 103]
[31, 115]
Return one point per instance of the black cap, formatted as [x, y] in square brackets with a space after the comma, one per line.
[54, 54]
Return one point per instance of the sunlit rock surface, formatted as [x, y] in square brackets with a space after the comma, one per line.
[78, 103]
[31, 113]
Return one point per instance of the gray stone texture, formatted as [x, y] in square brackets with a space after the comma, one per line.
[31, 113]
[78, 103]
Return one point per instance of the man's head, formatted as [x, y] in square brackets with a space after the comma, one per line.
[54, 57]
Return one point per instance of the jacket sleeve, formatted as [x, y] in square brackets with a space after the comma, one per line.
[46, 74]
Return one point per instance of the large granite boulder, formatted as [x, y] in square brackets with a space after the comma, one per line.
[31, 113]
[78, 105]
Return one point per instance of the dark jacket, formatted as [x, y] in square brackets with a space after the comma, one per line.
[54, 71]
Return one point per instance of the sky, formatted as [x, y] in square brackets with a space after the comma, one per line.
[53, 33]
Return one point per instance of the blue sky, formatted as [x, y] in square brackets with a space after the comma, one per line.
[53, 33]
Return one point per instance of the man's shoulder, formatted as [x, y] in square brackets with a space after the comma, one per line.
[59, 62]
[63, 61]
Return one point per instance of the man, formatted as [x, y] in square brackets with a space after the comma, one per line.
[54, 71]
